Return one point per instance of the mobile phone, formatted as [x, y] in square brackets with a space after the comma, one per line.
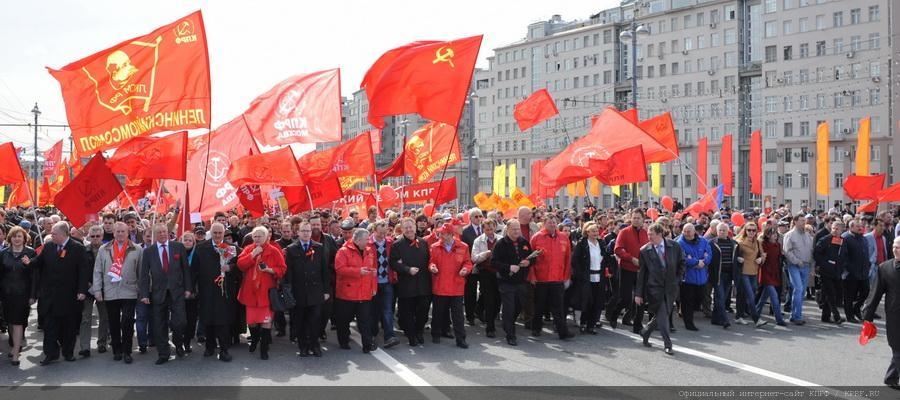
[262, 266]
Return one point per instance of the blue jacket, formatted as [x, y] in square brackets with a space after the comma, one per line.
[694, 251]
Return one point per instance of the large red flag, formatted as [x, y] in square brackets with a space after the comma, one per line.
[12, 170]
[727, 165]
[393, 170]
[152, 83]
[52, 158]
[251, 199]
[892, 193]
[44, 194]
[702, 154]
[661, 128]
[537, 108]
[430, 149]
[611, 132]
[321, 193]
[92, 189]
[756, 163]
[429, 78]
[153, 158]
[375, 135]
[301, 109]
[20, 195]
[277, 168]
[208, 176]
[439, 191]
[859, 187]
[623, 167]
[351, 162]
[137, 188]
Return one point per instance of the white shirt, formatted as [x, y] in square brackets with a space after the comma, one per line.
[596, 258]
[159, 249]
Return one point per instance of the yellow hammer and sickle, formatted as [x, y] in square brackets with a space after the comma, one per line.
[444, 54]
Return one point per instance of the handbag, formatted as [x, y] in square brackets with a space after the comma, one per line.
[281, 298]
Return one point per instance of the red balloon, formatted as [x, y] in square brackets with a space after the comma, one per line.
[667, 203]
[653, 213]
[761, 222]
[388, 194]
[738, 219]
[428, 210]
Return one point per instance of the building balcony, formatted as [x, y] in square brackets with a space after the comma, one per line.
[750, 69]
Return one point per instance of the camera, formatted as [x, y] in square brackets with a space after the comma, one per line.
[263, 266]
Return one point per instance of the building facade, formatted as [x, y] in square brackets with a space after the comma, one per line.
[720, 67]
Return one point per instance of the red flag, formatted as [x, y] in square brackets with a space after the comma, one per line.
[208, 176]
[869, 207]
[430, 149]
[727, 166]
[185, 212]
[702, 153]
[153, 158]
[440, 191]
[52, 158]
[709, 202]
[20, 195]
[277, 168]
[251, 199]
[661, 128]
[623, 167]
[349, 161]
[321, 193]
[92, 189]
[611, 133]
[137, 188]
[428, 78]
[892, 193]
[537, 108]
[756, 163]
[375, 135]
[631, 114]
[395, 169]
[44, 194]
[152, 83]
[864, 187]
[301, 109]
[12, 170]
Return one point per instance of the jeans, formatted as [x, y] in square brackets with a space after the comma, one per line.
[748, 288]
[769, 292]
[383, 310]
[143, 323]
[719, 316]
[799, 278]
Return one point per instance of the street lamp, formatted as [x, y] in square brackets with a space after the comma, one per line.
[630, 35]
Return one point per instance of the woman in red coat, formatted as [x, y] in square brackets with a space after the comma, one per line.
[262, 264]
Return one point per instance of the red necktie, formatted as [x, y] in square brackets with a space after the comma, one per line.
[165, 260]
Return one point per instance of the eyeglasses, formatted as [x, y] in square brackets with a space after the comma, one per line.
[751, 230]
[95, 236]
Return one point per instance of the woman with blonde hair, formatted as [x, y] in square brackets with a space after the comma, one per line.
[750, 258]
[15, 287]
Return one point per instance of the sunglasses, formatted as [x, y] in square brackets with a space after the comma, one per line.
[751, 230]
[96, 236]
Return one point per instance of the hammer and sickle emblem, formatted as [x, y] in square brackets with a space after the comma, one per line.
[444, 54]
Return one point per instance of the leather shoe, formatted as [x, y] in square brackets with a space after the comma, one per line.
[372, 347]
[179, 352]
[48, 360]
[209, 352]
[391, 342]
[162, 360]
[490, 334]
[85, 353]
[117, 357]
[224, 356]
[413, 342]
[128, 359]
[853, 320]
[566, 336]
[345, 346]
[669, 351]
[70, 358]
[512, 341]
[462, 344]
[448, 335]
[188, 349]
[101, 349]
[317, 351]
[142, 349]
[420, 337]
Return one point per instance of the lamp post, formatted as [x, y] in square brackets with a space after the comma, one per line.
[630, 35]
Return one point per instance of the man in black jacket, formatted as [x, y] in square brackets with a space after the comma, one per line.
[473, 304]
[330, 247]
[887, 283]
[661, 269]
[409, 258]
[216, 278]
[510, 259]
[855, 262]
[827, 255]
[307, 273]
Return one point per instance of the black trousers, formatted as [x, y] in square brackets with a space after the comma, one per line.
[217, 335]
[191, 314]
[592, 302]
[412, 314]
[549, 296]
[121, 324]
[624, 299]
[59, 334]
[280, 322]
[831, 297]
[471, 297]
[512, 300]
[326, 314]
[691, 300]
[168, 315]
[893, 371]
[452, 306]
[345, 311]
[490, 298]
[305, 325]
[855, 293]
[660, 320]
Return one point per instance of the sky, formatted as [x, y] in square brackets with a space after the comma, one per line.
[252, 44]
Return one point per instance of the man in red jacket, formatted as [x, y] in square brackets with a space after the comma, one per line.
[450, 264]
[356, 285]
[628, 246]
[548, 274]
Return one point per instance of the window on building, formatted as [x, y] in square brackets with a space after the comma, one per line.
[788, 128]
[820, 48]
[787, 27]
[837, 19]
[874, 40]
[788, 155]
[803, 24]
[770, 179]
[854, 16]
[788, 180]
[771, 155]
[771, 54]
[838, 180]
[770, 129]
[788, 53]
[804, 128]
[769, 30]
[820, 22]
[770, 6]
[804, 50]
[873, 13]
[804, 181]
[730, 36]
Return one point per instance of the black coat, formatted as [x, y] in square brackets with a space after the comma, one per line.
[468, 235]
[656, 284]
[887, 284]
[308, 276]
[581, 262]
[828, 257]
[855, 257]
[507, 253]
[16, 278]
[331, 247]
[405, 255]
[154, 284]
[715, 265]
[59, 280]
[216, 307]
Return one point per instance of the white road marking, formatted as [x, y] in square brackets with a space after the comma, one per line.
[405, 373]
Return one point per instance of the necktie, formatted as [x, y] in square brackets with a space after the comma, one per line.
[165, 260]
[477, 231]
[59, 250]
[305, 247]
[662, 254]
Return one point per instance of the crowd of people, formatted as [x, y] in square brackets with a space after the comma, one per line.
[237, 279]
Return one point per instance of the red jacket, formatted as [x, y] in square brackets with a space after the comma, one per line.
[628, 246]
[555, 262]
[256, 284]
[770, 270]
[447, 281]
[389, 241]
[351, 284]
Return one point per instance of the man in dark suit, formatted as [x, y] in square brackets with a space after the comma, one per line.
[62, 278]
[216, 277]
[308, 275]
[887, 284]
[316, 223]
[472, 302]
[661, 267]
[165, 282]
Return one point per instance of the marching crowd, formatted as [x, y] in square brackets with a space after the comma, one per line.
[293, 276]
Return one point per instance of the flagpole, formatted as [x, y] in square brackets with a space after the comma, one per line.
[127, 196]
[308, 196]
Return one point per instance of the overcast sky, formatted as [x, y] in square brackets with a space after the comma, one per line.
[252, 44]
